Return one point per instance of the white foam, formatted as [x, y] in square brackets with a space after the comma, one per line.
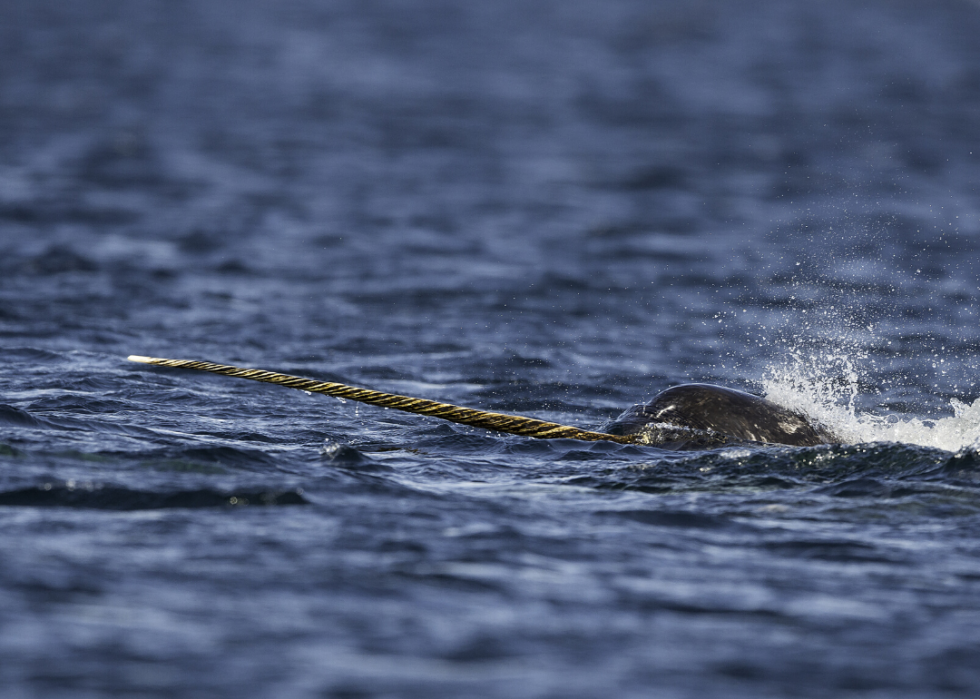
[805, 385]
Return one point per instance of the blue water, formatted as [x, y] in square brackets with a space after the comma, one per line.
[554, 209]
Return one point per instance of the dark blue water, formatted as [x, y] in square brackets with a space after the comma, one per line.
[554, 209]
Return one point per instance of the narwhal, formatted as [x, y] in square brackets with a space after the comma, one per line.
[689, 416]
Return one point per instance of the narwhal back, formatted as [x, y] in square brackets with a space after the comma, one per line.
[729, 414]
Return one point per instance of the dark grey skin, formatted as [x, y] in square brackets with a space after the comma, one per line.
[699, 416]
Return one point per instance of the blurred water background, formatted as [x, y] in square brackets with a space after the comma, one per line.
[546, 208]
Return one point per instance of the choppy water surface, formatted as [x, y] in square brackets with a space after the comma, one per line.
[546, 208]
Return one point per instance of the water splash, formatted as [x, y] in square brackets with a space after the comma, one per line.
[825, 387]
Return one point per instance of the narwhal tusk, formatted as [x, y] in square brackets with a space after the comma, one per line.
[500, 422]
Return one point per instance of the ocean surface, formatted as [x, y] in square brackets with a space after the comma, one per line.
[554, 208]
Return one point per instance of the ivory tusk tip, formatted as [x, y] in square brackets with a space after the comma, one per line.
[138, 358]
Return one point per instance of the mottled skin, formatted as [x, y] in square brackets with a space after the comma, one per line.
[701, 415]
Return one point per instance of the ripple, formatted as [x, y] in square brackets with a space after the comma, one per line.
[103, 497]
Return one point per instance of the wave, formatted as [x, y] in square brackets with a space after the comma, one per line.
[99, 497]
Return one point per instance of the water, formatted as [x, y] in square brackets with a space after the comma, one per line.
[546, 208]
